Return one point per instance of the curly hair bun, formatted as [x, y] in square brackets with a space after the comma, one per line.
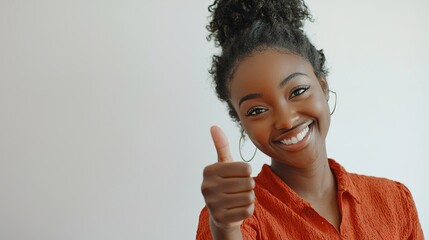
[230, 17]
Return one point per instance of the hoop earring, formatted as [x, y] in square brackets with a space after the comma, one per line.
[335, 104]
[239, 149]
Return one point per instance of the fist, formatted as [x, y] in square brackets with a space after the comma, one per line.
[227, 186]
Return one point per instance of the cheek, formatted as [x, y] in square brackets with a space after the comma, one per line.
[258, 134]
[320, 106]
[320, 109]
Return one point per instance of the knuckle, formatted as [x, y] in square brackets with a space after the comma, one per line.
[247, 198]
[210, 204]
[218, 217]
[252, 183]
[206, 189]
[212, 170]
[247, 169]
[251, 197]
[251, 209]
[207, 171]
[245, 214]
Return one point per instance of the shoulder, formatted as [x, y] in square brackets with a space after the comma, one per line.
[376, 193]
[371, 184]
[361, 185]
[379, 191]
[390, 201]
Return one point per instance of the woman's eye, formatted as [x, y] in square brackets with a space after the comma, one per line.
[255, 111]
[298, 91]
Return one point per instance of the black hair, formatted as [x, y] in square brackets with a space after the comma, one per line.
[241, 27]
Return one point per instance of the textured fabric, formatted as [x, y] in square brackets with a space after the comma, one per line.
[370, 207]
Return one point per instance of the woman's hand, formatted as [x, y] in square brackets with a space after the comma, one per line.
[228, 190]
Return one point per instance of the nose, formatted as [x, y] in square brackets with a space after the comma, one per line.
[286, 117]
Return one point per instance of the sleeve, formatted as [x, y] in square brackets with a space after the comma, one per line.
[249, 228]
[413, 229]
[203, 230]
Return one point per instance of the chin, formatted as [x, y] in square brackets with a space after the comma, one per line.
[301, 159]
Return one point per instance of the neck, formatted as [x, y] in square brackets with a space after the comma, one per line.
[311, 182]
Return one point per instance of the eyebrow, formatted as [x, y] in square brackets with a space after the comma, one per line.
[290, 77]
[248, 97]
[282, 83]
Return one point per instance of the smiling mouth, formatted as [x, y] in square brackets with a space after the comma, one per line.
[297, 138]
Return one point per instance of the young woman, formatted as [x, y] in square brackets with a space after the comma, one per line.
[274, 82]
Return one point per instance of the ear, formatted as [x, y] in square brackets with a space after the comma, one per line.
[325, 87]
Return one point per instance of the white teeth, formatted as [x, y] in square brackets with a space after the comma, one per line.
[300, 136]
[296, 138]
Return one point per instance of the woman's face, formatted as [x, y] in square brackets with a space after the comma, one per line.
[282, 106]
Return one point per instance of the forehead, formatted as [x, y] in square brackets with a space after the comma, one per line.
[266, 69]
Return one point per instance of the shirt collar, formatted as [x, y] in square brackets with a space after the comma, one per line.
[269, 181]
[344, 183]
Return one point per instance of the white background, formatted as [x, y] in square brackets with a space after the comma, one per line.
[105, 109]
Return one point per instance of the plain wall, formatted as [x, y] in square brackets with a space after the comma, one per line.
[105, 109]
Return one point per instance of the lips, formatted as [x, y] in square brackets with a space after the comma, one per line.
[295, 136]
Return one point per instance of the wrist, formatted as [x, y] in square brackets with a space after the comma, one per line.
[225, 232]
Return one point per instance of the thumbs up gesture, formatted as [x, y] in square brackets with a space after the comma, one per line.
[227, 187]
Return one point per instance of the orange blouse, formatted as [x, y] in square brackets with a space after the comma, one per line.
[370, 207]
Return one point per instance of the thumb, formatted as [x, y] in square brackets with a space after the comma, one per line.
[221, 144]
